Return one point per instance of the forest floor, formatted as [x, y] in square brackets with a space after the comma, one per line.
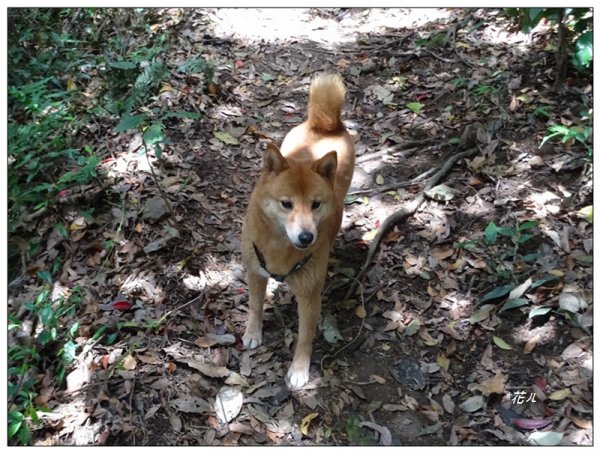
[473, 324]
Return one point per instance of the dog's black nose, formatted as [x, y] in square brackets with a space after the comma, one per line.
[306, 238]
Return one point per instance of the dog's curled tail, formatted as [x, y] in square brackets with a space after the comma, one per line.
[325, 103]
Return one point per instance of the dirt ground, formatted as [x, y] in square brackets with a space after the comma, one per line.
[419, 355]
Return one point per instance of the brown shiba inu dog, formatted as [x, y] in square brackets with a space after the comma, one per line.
[294, 214]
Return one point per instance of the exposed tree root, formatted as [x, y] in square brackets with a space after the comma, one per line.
[401, 213]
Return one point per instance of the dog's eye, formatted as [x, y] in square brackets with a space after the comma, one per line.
[286, 204]
[316, 205]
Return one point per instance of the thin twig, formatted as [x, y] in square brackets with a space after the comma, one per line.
[169, 313]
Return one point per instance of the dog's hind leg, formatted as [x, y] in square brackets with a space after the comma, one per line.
[257, 285]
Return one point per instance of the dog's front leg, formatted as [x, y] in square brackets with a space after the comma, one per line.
[257, 286]
[309, 309]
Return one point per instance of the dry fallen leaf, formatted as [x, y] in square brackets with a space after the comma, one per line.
[560, 394]
[426, 337]
[448, 403]
[493, 385]
[443, 361]
[228, 403]
[129, 362]
[472, 404]
[531, 344]
[208, 369]
[236, 379]
[175, 421]
[580, 422]
[520, 290]
[360, 312]
[385, 437]
[442, 253]
[305, 423]
[191, 405]
[149, 359]
[378, 379]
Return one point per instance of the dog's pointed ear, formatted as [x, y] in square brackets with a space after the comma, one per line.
[326, 166]
[273, 161]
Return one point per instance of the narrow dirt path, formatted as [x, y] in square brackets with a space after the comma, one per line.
[421, 354]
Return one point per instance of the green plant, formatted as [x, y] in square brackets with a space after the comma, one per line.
[416, 107]
[482, 90]
[575, 30]
[436, 40]
[516, 263]
[151, 125]
[579, 132]
[481, 94]
[543, 110]
[44, 159]
[502, 249]
[492, 245]
[197, 66]
[356, 434]
[49, 344]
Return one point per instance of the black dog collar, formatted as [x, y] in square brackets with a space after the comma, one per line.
[278, 277]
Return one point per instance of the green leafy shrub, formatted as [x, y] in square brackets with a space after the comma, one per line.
[581, 132]
[43, 117]
[578, 21]
[68, 70]
[51, 344]
[509, 253]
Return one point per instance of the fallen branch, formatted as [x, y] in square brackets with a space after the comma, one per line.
[395, 186]
[407, 210]
[404, 149]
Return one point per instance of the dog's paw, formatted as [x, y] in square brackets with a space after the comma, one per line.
[252, 340]
[297, 377]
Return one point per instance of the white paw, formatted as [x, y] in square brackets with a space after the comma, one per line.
[252, 340]
[297, 378]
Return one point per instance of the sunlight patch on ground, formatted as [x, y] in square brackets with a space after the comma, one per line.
[497, 34]
[286, 24]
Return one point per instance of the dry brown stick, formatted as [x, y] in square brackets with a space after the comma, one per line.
[400, 214]
[395, 150]
[395, 186]
[402, 149]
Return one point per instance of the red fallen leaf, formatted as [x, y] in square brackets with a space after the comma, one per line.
[238, 63]
[107, 160]
[377, 223]
[540, 381]
[420, 97]
[122, 305]
[104, 360]
[63, 193]
[525, 423]
[187, 89]
[241, 290]
[119, 303]
[103, 437]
